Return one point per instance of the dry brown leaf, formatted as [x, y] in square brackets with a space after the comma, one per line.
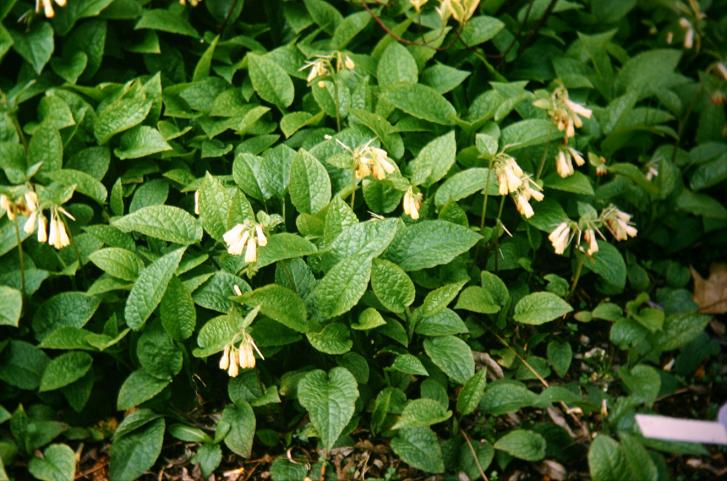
[711, 293]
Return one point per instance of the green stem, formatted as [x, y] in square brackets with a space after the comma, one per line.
[487, 194]
[577, 274]
[353, 189]
[497, 238]
[21, 261]
[338, 104]
[542, 161]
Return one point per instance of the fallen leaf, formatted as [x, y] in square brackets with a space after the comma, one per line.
[711, 293]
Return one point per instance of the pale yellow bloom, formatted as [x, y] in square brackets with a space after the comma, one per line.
[462, 10]
[8, 206]
[563, 164]
[560, 237]
[236, 357]
[245, 237]
[42, 229]
[686, 25]
[565, 114]
[196, 202]
[618, 223]
[318, 68]
[509, 174]
[47, 6]
[58, 233]
[418, 4]
[193, 3]
[722, 70]
[412, 203]
[522, 196]
[589, 236]
[370, 160]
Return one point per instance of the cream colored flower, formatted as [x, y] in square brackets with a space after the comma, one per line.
[560, 237]
[618, 223]
[418, 4]
[652, 171]
[686, 25]
[462, 10]
[589, 237]
[193, 3]
[247, 351]
[236, 357]
[509, 174]
[722, 70]
[563, 164]
[245, 237]
[47, 6]
[318, 68]
[522, 196]
[8, 206]
[412, 203]
[344, 62]
[58, 233]
[196, 202]
[379, 162]
[42, 229]
[565, 114]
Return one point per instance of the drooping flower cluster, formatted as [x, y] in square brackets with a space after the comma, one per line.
[461, 10]
[193, 3]
[47, 6]
[322, 65]
[412, 203]
[29, 206]
[512, 180]
[565, 113]
[242, 356]
[418, 4]
[564, 161]
[245, 237]
[618, 223]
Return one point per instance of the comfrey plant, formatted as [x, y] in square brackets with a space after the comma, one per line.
[318, 239]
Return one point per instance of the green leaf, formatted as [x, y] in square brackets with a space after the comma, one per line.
[540, 307]
[609, 265]
[330, 401]
[270, 81]
[139, 387]
[65, 369]
[149, 288]
[526, 133]
[310, 186]
[434, 160]
[22, 365]
[141, 141]
[177, 310]
[420, 413]
[396, 65]
[429, 243]
[349, 28]
[679, 329]
[465, 183]
[341, 287]
[369, 319]
[35, 45]
[239, 422]
[85, 184]
[213, 206]
[419, 447]
[421, 102]
[560, 356]
[68, 308]
[452, 355]
[443, 323]
[480, 29]
[134, 452]
[392, 285]
[164, 222]
[477, 299]
[522, 444]
[324, 14]
[121, 114]
[57, 464]
[46, 146]
[643, 382]
[606, 461]
[469, 397]
[368, 239]
[409, 364]
[11, 305]
[640, 463]
[333, 339]
[165, 21]
[284, 246]
[282, 305]
[577, 183]
[117, 262]
[439, 298]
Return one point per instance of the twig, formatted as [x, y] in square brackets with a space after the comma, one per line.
[474, 455]
[396, 36]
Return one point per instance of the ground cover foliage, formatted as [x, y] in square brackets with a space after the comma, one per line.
[391, 239]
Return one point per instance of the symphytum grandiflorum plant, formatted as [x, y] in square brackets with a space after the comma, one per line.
[330, 239]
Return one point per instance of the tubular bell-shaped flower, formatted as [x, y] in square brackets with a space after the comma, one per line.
[522, 196]
[509, 174]
[245, 237]
[412, 203]
[618, 223]
[47, 6]
[561, 237]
